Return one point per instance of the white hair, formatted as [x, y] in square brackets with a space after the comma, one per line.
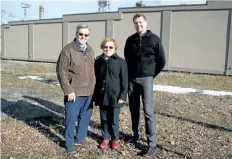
[80, 26]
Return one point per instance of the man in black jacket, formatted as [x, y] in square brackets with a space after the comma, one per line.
[145, 59]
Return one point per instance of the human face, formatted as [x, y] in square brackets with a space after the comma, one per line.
[83, 36]
[109, 48]
[140, 25]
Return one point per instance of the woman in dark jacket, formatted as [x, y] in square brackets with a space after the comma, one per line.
[110, 91]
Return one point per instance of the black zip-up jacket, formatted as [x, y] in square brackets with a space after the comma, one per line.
[144, 57]
[111, 81]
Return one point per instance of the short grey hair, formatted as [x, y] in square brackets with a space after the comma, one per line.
[80, 26]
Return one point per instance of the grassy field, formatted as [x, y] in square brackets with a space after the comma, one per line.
[188, 125]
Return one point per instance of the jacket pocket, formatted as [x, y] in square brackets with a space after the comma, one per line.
[77, 80]
[77, 69]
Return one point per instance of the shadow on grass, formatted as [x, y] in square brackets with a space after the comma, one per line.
[36, 117]
[207, 125]
[175, 152]
[50, 105]
[47, 117]
[59, 109]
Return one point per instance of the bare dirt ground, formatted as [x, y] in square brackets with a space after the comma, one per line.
[188, 125]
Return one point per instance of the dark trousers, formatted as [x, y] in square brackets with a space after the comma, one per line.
[110, 122]
[142, 86]
[81, 111]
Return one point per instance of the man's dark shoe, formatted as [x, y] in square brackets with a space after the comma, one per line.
[150, 151]
[133, 140]
[71, 150]
[81, 143]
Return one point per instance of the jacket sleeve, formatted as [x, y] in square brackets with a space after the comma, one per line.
[95, 87]
[126, 50]
[159, 56]
[124, 81]
[62, 69]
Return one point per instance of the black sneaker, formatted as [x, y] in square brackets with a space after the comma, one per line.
[133, 140]
[71, 150]
[150, 152]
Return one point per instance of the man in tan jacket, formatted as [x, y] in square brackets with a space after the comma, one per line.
[75, 72]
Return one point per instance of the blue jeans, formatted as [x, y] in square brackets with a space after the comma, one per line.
[81, 111]
[110, 122]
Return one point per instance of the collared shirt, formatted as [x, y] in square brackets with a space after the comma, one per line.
[107, 57]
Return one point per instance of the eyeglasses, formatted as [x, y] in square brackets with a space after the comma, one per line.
[110, 47]
[81, 34]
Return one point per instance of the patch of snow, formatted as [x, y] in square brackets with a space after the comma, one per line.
[32, 77]
[170, 89]
[180, 90]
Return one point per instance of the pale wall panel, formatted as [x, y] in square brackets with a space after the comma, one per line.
[198, 40]
[47, 41]
[16, 42]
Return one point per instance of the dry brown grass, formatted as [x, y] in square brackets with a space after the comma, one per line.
[19, 140]
[13, 69]
[188, 125]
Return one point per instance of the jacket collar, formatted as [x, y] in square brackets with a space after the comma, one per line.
[148, 33]
[76, 48]
[114, 56]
